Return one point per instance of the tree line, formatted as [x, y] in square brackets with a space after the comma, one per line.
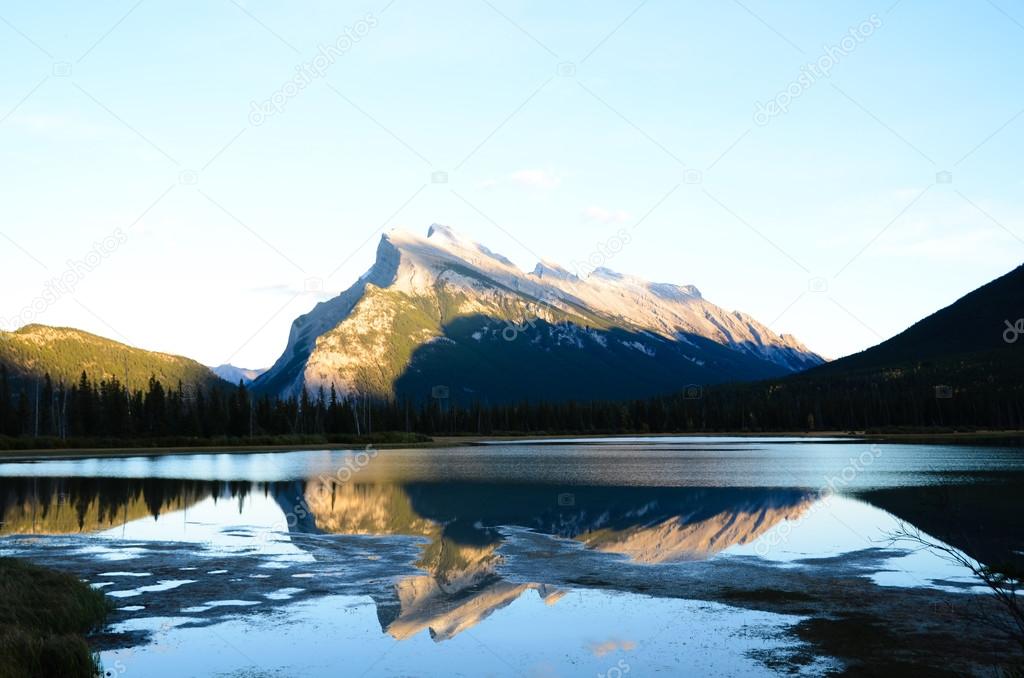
[106, 408]
[962, 396]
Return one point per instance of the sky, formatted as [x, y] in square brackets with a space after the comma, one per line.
[191, 176]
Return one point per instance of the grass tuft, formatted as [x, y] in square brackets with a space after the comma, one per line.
[43, 616]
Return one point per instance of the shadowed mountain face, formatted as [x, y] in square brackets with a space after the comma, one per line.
[961, 368]
[565, 361]
[431, 309]
[981, 323]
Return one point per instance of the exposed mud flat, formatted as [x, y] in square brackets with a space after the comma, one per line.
[870, 629]
[731, 615]
[192, 610]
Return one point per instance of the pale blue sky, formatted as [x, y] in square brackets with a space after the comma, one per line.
[136, 116]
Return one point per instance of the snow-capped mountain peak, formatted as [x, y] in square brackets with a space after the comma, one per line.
[430, 304]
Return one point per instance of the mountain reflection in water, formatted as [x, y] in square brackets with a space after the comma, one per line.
[461, 525]
[709, 553]
[649, 525]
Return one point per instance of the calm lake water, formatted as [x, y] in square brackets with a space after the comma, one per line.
[570, 558]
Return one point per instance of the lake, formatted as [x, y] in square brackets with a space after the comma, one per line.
[597, 557]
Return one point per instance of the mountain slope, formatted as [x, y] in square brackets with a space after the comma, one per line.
[974, 324]
[953, 370]
[443, 310]
[64, 353]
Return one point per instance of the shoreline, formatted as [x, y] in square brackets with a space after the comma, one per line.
[837, 437]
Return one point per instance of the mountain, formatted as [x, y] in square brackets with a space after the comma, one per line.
[978, 323]
[959, 369]
[234, 374]
[64, 353]
[445, 311]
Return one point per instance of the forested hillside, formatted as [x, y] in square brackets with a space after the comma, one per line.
[34, 351]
